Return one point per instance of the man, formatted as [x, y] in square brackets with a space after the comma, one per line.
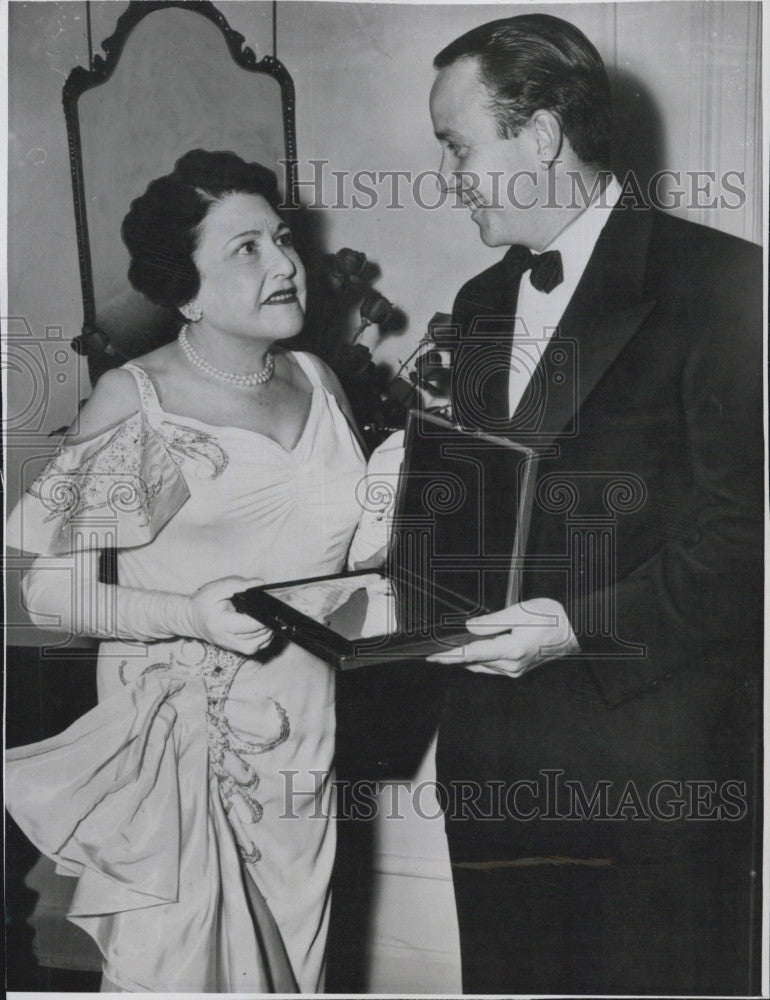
[598, 755]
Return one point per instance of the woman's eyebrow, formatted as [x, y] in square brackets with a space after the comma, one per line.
[248, 232]
[282, 227]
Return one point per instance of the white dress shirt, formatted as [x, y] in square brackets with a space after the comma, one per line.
[538, 314]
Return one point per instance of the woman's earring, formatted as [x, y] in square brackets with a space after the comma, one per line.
[191, 312]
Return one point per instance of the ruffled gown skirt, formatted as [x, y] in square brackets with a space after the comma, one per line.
[196, 810]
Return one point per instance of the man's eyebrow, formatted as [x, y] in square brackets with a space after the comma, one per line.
[449, 135]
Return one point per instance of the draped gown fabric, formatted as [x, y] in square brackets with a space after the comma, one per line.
[195, 802]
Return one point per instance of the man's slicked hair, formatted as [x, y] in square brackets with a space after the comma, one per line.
[536, 62]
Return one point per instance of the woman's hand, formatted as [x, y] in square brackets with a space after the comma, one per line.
[209, 615]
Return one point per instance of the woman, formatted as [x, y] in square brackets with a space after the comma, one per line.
[195, 801]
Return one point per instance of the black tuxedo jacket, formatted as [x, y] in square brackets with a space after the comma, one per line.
[647, 525]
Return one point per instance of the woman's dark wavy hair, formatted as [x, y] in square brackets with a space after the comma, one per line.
[162, 226]
[539, 62]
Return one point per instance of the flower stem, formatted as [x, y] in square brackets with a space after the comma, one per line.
[421, 343]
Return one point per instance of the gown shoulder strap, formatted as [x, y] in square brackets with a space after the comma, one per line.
[309, 366]
[147, 391]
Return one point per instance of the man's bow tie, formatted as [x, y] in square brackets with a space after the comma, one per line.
[546, 267]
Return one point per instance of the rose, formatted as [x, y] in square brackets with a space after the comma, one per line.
[349, 262]
[375, 308]
[343, 269]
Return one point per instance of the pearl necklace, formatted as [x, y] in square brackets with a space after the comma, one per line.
[232, 378]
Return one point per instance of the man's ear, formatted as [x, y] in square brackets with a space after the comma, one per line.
[548, 136]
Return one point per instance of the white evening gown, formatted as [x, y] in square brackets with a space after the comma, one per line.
[195, 802]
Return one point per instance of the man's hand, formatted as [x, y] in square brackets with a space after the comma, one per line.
[534, 632]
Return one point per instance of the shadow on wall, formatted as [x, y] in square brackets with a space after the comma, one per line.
[637, 131]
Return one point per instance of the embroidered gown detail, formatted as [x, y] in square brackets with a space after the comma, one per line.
[195, 802]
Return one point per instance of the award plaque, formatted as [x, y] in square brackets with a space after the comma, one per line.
[461, 514]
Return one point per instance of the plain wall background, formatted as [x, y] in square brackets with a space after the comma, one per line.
[687, 77]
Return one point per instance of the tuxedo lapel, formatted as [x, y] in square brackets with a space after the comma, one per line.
[484, 312]
[608, 307]
[486, 296]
